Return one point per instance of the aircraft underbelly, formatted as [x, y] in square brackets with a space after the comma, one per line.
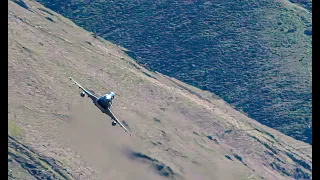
[102, 102]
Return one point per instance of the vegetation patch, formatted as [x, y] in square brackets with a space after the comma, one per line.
[46, 11]
[49, 19]
[209, 137]
[14, 130]
[300, 174]
[27, 49]
[308, 32]
[225, 132]
[265, 144]
[89, 43]
[159, 167]
[239, 159]
[228, 157]
[22, 4]
[265, 132]
[156, 120]
[278, 167]
[300, 162]
[134, 65]
[215, 141]
[195, 133]
[35, 164]
[307, 4]
[149, 75]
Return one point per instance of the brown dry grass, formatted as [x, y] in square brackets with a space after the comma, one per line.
[57, 122]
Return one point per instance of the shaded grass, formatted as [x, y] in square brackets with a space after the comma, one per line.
[22, 4]
[239, 158]
[35, 164]
[49, 19]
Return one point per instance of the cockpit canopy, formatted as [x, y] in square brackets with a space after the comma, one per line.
[110, 95]
[104, 101]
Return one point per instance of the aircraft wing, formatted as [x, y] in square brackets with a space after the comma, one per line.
[84, 90]
[116, 119]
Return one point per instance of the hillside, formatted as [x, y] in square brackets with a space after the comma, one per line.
[179, 131]
[256, 55]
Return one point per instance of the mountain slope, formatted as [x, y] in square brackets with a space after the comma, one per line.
[256, 55]
[179, 132]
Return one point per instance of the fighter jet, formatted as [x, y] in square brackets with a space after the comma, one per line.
[104, 103]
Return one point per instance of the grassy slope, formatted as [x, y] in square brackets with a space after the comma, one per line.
[26, 163]
[256, 55]
[194, 130]
[307, 4]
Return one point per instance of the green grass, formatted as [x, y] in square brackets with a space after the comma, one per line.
[14, 130]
